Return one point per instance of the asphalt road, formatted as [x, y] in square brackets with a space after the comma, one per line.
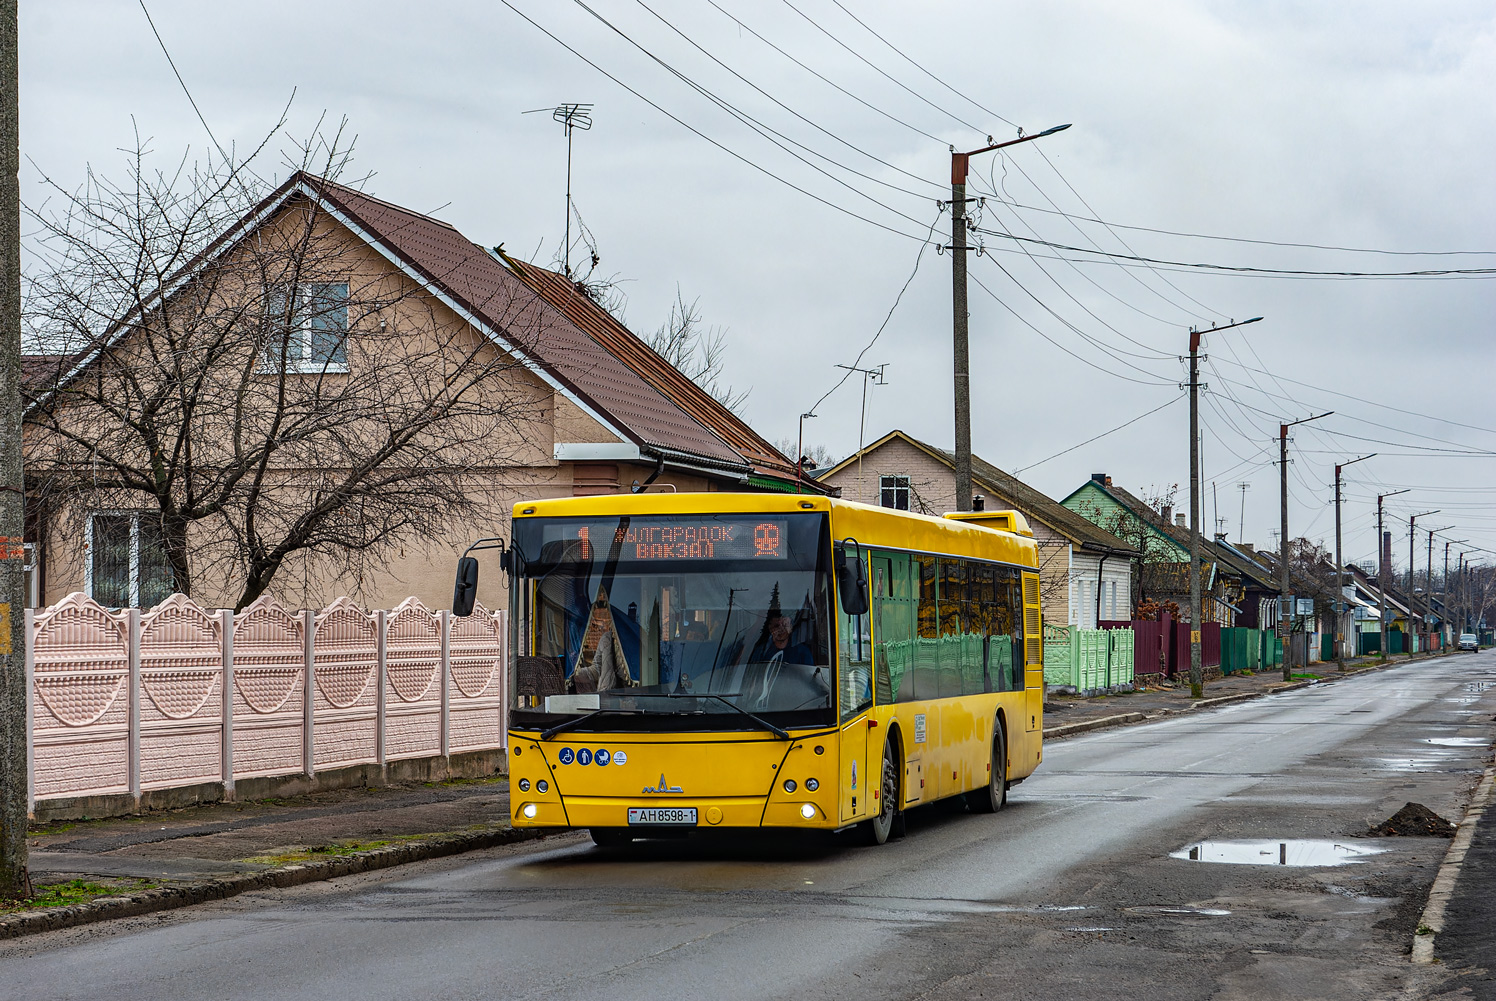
[1069, 893]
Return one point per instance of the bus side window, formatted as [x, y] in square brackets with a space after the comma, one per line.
[952, 639]
[925, 669]
[977, 674]
[855, 664]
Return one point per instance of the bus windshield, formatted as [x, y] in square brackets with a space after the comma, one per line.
[674, 615]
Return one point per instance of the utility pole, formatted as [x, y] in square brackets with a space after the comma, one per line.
[14, 879]
[1383, 570]
[1197, 672]
[1428, 585]
[1340, 570]
[961, 356]
[1241, 524]
[1448, 594]
[1412, 541]
[1284, 621]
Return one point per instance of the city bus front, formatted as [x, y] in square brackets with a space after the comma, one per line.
[672, 671]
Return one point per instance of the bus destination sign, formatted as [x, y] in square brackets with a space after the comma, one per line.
[686, 539]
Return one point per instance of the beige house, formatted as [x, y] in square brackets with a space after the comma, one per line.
[560, 399]
[1085, 573]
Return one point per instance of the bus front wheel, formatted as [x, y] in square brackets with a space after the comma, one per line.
[992, 798]
[889, 821]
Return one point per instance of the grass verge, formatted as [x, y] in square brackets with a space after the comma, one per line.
[75, 891]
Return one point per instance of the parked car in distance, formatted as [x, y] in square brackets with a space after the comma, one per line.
[1468, 642]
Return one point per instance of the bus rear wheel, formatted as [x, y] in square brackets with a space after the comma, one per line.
[889, 820]
[995, 795]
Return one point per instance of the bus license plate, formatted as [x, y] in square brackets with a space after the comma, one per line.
[662, 816]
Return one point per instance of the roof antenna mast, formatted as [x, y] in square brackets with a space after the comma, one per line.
[571, 116]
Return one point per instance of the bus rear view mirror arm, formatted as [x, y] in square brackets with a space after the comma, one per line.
[465, 590]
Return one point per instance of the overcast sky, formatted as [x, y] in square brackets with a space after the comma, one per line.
[1361, 125]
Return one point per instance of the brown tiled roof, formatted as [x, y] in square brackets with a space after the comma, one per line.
[492, 292]
[670, 381]
[1013, 491]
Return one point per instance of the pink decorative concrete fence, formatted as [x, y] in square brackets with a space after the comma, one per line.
[131, 701]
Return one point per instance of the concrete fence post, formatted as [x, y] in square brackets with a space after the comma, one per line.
[309, 677]
[445, 615]
[132, 739]
[382, 635]
[226, 677]
[30, 620]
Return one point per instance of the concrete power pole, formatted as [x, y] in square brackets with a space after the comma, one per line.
[1340, 571]
[961, 356]
[1383, 570]
[1284, 620]
[1197, 671]
[14, 879]
[1412, 542]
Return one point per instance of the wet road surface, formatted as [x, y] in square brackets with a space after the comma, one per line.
[1068, 893]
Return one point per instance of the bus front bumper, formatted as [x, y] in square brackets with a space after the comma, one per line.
[711, 812]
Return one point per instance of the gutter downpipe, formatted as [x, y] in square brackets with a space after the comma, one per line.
[659, 468]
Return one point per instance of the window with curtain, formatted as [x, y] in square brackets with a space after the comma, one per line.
[127, 560]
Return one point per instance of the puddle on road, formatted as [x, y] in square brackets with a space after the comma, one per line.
[1290, 852]
[1480, 686]
[1456, 741]
[1214, 912]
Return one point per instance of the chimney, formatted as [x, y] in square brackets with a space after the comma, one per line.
[978, 503]
[1182, 522]
[1101, 478]
[1167, 513]
[1387, 553]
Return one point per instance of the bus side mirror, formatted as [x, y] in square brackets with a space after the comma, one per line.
[465, 592]
[851, 581]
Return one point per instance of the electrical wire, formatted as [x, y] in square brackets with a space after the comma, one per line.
[1102, 435]
[702, 135]
[877, 69]
[813, 124]
[757, 125]
[823, 79]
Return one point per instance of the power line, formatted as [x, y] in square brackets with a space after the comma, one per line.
[813, 124]
[702, 135]
[1245, 269]
[953, 117]
[1102, 435]
[917, 66]
[1241, 239]
[823, 79]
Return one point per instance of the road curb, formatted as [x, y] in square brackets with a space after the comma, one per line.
[1449, 872]
[169, 897]
[1093, 724]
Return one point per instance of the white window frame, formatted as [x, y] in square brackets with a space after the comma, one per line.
[134, 515]
[302, 338]
[900, 482]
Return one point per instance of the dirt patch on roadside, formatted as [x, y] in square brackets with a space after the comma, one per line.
[1414, 821]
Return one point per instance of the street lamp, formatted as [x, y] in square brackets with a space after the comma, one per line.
[961, 355]
[1284, 622]
[1383, 558]
[800, 452]
[1197, 674]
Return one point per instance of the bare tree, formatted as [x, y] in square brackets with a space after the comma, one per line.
[696, 350]
[819, 455]
[263, 387]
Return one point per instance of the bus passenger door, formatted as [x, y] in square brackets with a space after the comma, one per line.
[1033, 656]
[854, 697]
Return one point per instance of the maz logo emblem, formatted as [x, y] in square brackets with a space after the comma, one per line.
[662, 787]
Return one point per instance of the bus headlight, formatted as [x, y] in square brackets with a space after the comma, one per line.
[812, 785]
[524, 785]
[807, 811]
[528, 810]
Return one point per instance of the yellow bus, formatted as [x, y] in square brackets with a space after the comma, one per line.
[724, 661]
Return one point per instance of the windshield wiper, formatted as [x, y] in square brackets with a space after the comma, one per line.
[781, 734]
[572, 724]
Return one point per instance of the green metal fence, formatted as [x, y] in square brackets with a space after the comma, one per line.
[1088, 659]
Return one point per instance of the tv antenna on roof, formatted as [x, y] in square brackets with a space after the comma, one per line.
[571, 116]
